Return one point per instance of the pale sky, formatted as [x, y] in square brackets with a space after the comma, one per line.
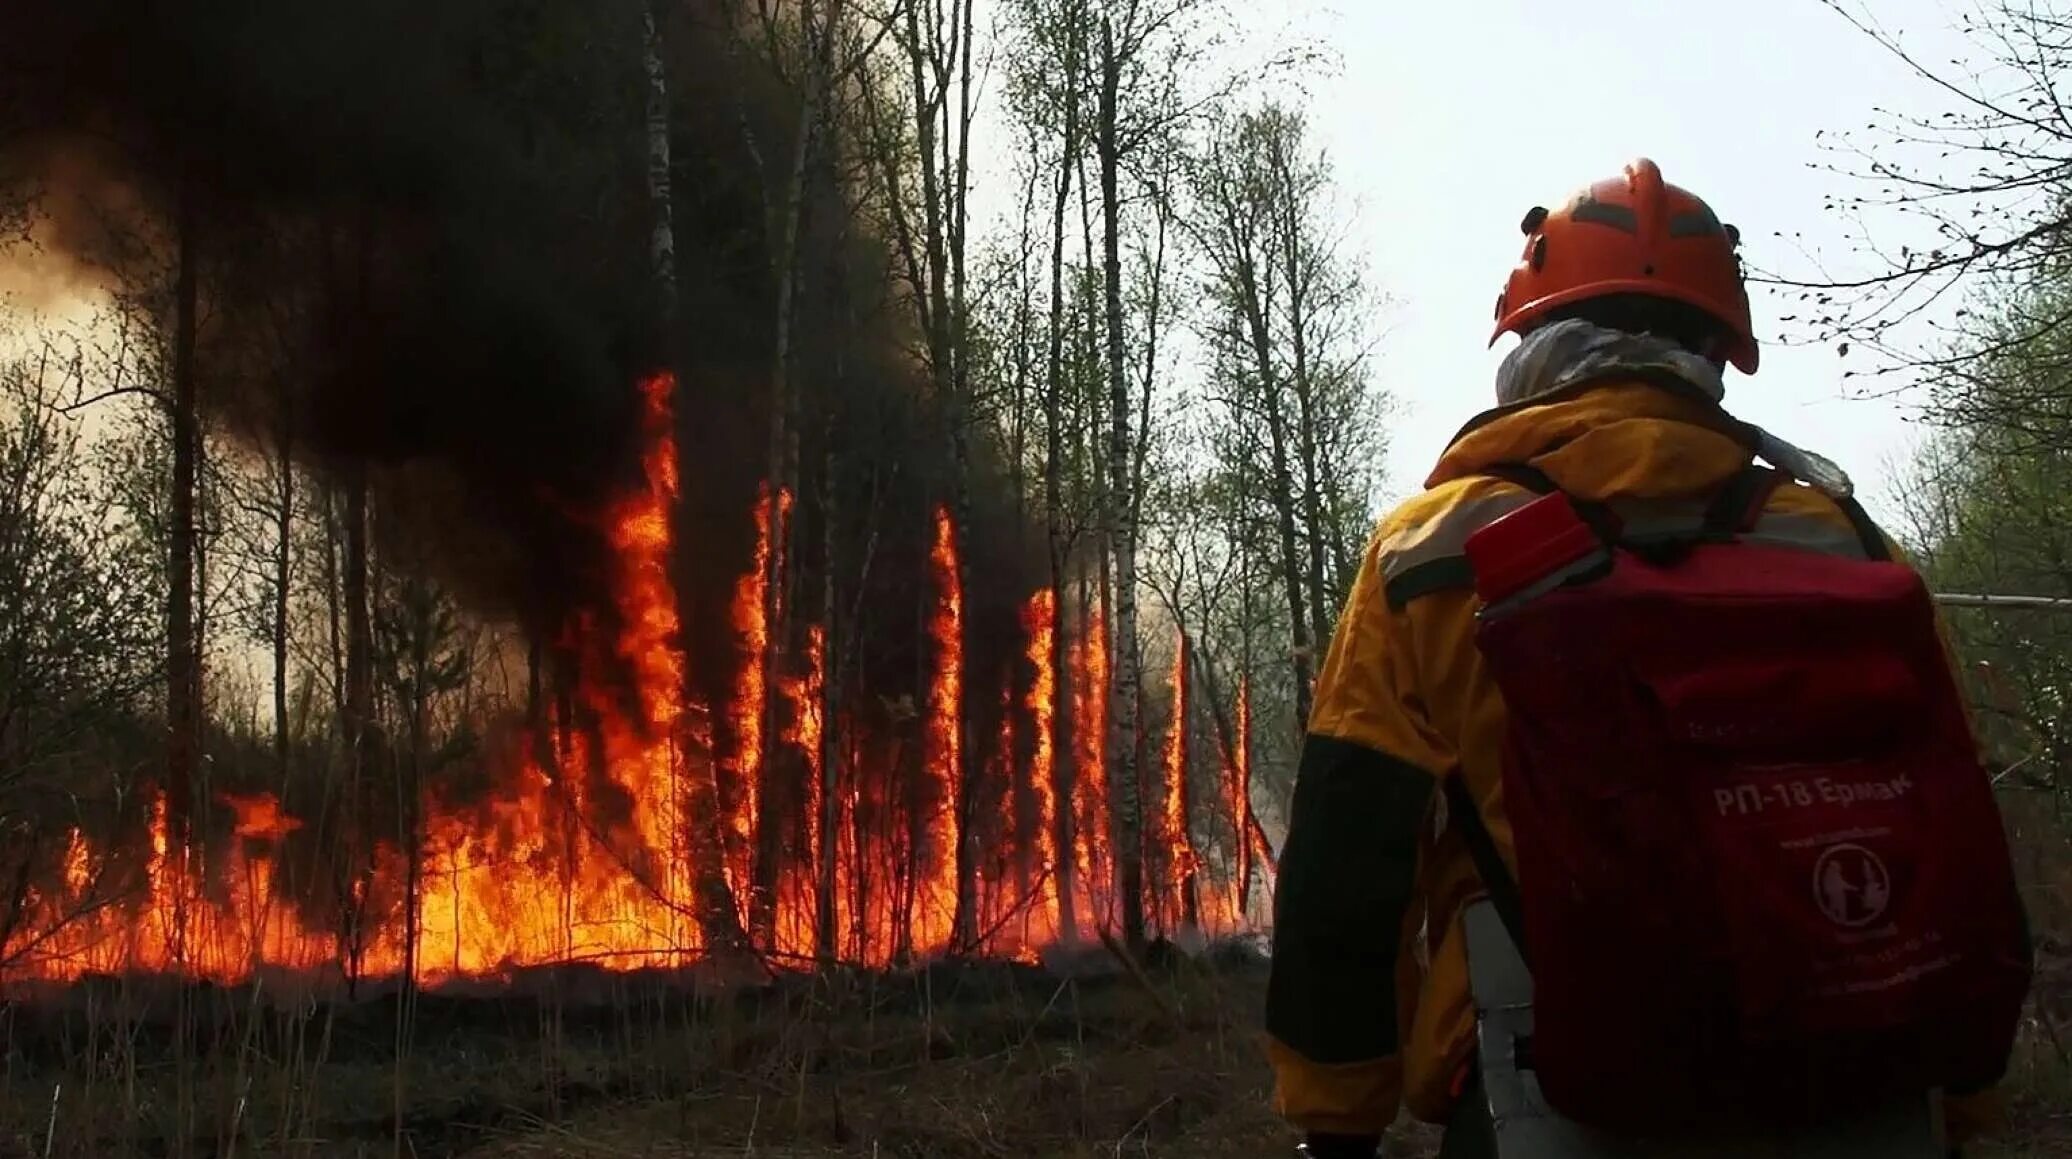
[1447, 120]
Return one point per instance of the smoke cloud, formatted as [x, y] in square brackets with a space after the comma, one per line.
[422, 231]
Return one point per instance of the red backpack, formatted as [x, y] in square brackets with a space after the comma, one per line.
[1760, 871]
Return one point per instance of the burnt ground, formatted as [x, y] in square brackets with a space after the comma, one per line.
[965, 1063]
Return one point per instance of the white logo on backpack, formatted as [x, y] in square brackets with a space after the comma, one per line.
[1851, 885]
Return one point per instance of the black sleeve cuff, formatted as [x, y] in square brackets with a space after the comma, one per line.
[1346, 878]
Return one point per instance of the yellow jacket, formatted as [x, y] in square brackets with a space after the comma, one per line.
[1370, 885]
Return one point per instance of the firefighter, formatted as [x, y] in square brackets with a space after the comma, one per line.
[1630, 303]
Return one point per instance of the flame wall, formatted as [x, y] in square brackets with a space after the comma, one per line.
[585, 847]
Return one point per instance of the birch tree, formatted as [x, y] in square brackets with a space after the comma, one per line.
[1146, 52]
[1297, 439]
[717, 915]
[924, 164]
[1047, 80]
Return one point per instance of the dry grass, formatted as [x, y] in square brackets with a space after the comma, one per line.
[1092, 1069]
[989, 1061]
[982, 1064]
[1126, 1082]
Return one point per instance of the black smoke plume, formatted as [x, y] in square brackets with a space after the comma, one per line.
[411, 222]
[422, 229]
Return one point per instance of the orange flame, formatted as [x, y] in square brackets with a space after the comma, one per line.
[802, 694]
[1090, 787]
[259, 817]
[1039, 621]
[1179, 845]
[587, 848]
[945, 752]
[752, 631]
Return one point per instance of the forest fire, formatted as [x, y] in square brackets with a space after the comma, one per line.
[600, 841]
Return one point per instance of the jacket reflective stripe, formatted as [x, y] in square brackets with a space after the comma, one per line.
[1446, 537]
[1808, 532]
[1437, 547]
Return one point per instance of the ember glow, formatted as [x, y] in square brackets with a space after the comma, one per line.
[606, 824]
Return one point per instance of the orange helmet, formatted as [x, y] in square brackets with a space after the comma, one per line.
[1632, 234]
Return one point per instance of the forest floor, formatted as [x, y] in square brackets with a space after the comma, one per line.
[1116, 1072]
[977, 1064]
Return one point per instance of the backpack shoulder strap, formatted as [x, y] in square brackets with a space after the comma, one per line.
[1734, 508]
[1874, 545]
[1523, 475]
[1738, 506]
[1502, 887]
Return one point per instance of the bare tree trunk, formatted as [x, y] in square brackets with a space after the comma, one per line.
[762, 902]
[359, 714]
[1282, 494]
[915, 768]
[1241, 748]
[830, 683]
[964, 928]
[183, 661]
[1341, 567]
[1188, 883]
[204, 539]
[718, 919]
[1121, 515]
[1226, 742]
[536, 702]
[183, 655]
[1242, 818]
[409, 777]
[1246, 266]
[359, 633]
[1154, 321]
[1053, 507]
[1089, 402]
[409, 793]
[334, 606]
[1024, 321]
[1296, 273]
[283, 562]
[940, 148]
[1234, 741]
[662, 230]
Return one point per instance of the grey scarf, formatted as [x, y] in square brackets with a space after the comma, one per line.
[1564, 353]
